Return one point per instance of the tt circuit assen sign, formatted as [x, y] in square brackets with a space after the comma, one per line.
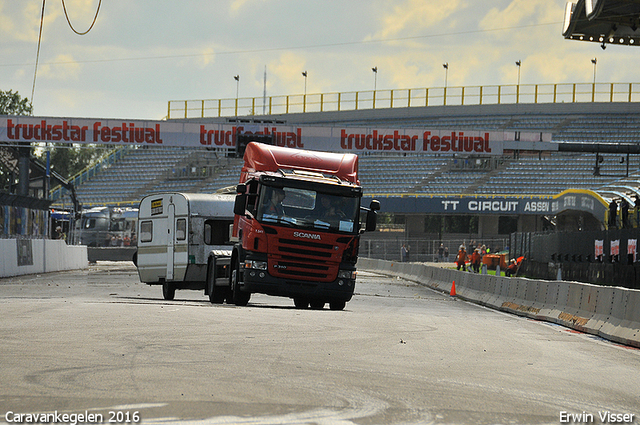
[572, 199]
[19, 129]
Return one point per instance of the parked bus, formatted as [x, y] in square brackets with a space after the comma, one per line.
[104, 226]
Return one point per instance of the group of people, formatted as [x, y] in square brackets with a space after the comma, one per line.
[117, 240]
[475, 258]
[443, 253]
[624, 213]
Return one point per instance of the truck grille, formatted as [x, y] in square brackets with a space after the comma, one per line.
[301, 259]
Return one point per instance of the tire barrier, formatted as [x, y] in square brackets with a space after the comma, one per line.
[612, 313]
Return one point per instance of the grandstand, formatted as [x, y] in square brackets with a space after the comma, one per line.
[144, 171]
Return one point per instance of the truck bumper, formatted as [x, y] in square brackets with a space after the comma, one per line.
[260, 281]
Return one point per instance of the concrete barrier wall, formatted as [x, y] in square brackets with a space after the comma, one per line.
[609, 312]
[29, 256]
[115, 253]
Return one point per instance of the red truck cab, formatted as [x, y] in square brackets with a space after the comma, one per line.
[298, 224]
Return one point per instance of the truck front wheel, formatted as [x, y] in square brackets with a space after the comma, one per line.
[337, 305]
[239, 298]
[216, 293]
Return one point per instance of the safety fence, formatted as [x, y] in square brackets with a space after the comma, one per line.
[607, 257]
[403, 98]
[609, 312]
[423, 249]
[612, 246]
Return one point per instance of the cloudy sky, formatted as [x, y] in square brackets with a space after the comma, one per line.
[142, 53]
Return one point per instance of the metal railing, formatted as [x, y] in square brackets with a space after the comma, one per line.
[403, 98]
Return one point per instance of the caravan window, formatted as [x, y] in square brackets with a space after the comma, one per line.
[216, 232]
[181, 229]
[146, 231]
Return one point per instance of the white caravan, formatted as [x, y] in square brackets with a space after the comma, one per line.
[183, 242]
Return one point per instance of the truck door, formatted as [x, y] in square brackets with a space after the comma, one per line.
[171, 225]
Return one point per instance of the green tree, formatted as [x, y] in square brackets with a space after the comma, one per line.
[68, 160]
[12, 104]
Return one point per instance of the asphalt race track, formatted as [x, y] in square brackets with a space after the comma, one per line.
[98, 342]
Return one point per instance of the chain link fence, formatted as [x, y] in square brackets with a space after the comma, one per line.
[424, 250]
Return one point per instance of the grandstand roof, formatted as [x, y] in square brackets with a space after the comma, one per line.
[603, 21]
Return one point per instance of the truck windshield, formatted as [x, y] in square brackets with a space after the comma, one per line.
[308, 209]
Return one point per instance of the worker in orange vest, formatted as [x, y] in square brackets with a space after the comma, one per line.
[462, 258]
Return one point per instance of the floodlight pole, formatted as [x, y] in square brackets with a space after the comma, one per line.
[519, 65]
[237, 78]
[375, 84]
[446, 76]
[594, 61]
[304, 98]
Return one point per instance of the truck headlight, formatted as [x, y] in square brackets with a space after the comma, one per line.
[346, 274]
[257, 265]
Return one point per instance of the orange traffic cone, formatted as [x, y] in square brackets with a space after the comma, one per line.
[453, 289]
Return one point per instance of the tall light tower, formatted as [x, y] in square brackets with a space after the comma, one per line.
[304, 74]
[446, 73]
[446, 77]
[264, 92]
[375, 84]
[237, 78]
[594, 61]
[519, 65]
[304, 98]
[375, 77]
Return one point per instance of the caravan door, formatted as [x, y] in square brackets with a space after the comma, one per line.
[162, 243]
[171, 225]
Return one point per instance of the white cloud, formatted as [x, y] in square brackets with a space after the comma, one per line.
[522, 12]
[207, 56]
[414, 16]
[237, 6]
[192, 49]
[65, 68]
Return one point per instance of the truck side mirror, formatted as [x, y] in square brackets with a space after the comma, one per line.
[239, 206]
[372, 219]
[241, 188]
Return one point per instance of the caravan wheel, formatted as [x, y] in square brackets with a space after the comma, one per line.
[168, 290]
[302, 303]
